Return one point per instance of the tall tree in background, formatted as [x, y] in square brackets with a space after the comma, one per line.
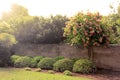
[14, 15]
[26, 29]
[5, 28]
[6, 42]
[51, 29]
[114, 20]
[33, 29]
[16, 11]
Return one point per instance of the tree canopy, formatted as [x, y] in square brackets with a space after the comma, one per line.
[15, 12]
[114, 20]
[7, 40]
[32, 29]
[88, 30]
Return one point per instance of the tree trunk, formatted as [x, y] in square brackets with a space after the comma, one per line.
[90, 53]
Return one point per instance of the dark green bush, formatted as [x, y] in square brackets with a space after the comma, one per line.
[33, 63]
[23, 62]
[84, 66]
[63, 64]
[59, 58]
[38, 58]
[13, 58]
[46, 63]
[67, 72]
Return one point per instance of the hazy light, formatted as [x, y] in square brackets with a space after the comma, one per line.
[64, 7]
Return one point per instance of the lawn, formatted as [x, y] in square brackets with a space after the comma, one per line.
[21, 74]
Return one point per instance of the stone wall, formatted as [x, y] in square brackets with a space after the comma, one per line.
[108, 58]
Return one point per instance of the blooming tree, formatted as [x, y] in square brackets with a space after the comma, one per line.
[88, 30]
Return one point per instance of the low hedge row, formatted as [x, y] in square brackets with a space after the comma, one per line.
[58, 64]
[25, 61]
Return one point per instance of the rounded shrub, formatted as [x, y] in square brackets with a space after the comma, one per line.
[13, 58]
[63, 64]
[23, 62]
[67, 72]
[38, 58]
[84, 66]
[46, 63]
[33, 63]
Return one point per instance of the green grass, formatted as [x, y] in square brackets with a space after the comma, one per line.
[20, 74]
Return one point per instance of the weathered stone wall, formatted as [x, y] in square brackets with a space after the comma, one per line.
[108, 58]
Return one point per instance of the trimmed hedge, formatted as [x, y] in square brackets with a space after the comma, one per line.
[84, 66]
[24, 61]
[58, 63]
[38, 58]
[33, 63]
[13, 58]
[63, 64]
[46, 63]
